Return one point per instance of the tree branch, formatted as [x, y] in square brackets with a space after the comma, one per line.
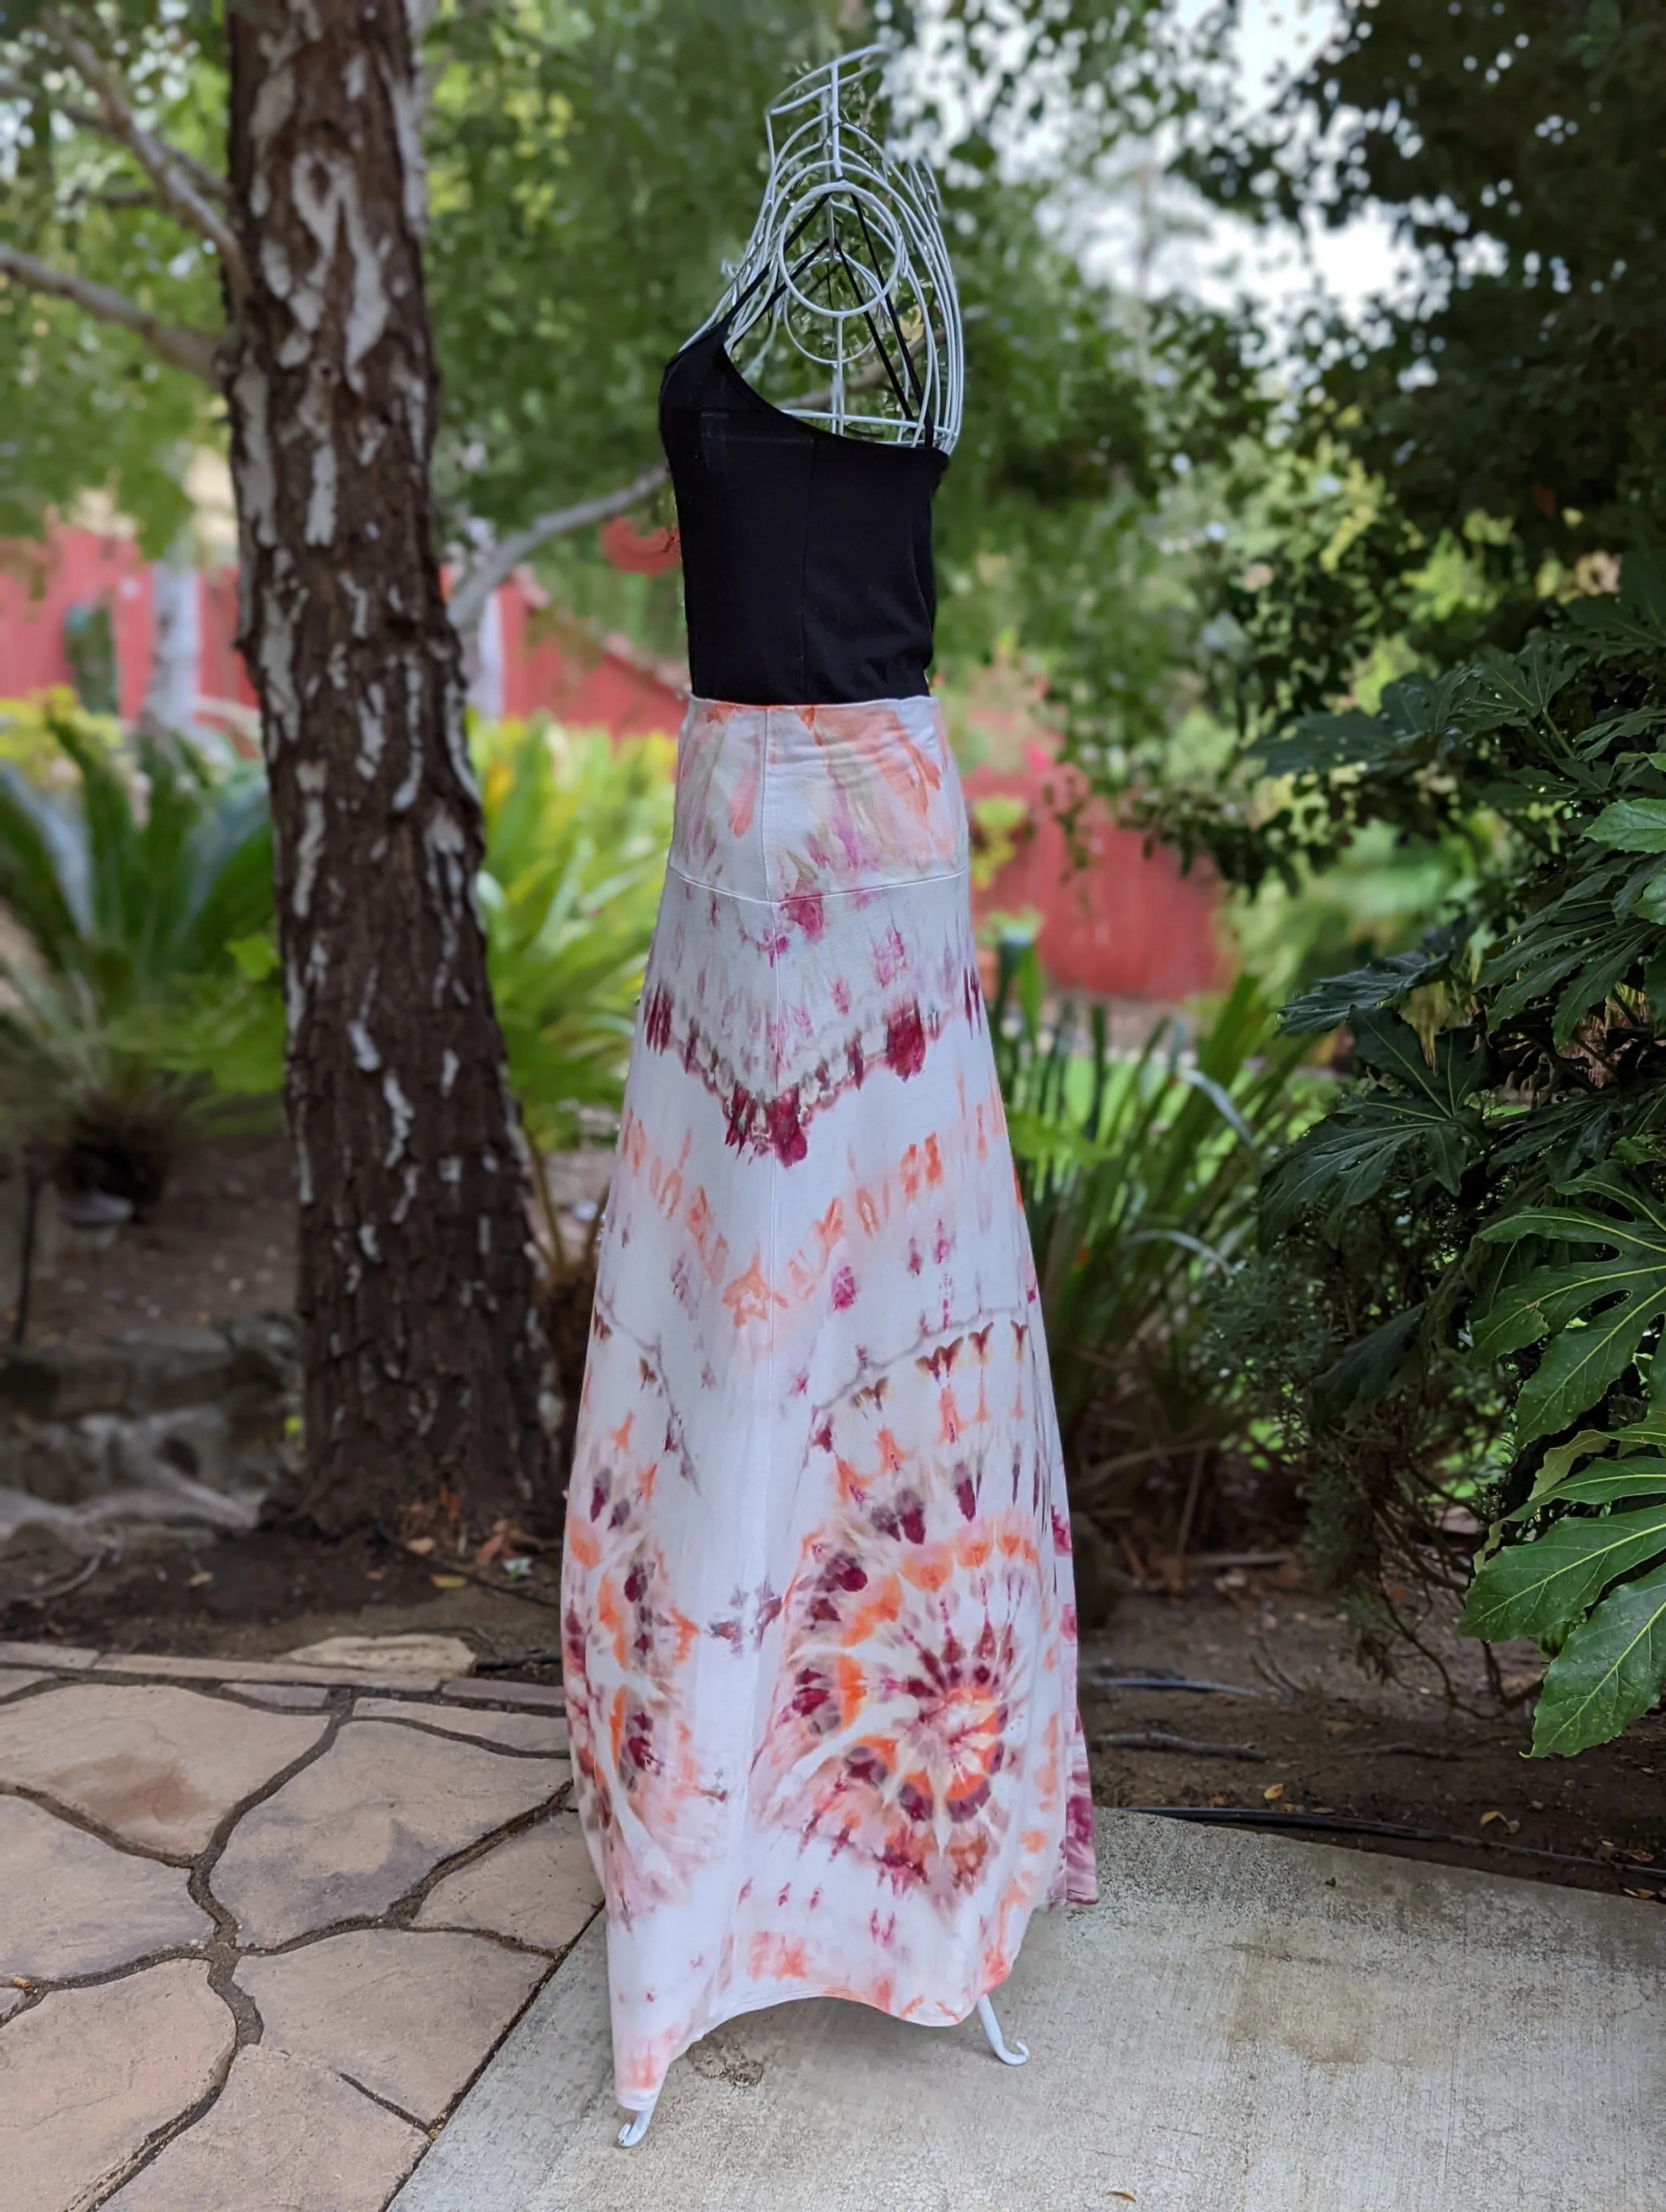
[191, 350]
[88, 119]
[499, 563]
[169, 170]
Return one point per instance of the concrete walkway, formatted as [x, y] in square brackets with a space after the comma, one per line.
[1244, 2025]
[287, 1938]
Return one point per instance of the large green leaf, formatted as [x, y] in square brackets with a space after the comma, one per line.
[1608, 1485]
[1325, 1005]
[1417, 716]
[1611, 1668]
[1519, 687]
[1569, 948]
[1631, 825]
[1424, 1129]
[1596, 1308]
[1636, 621]
[1536, 1589]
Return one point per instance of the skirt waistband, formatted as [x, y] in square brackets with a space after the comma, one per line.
[783, 802]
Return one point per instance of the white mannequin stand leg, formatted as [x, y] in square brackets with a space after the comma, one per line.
[635, 2127]
[1009, 2054]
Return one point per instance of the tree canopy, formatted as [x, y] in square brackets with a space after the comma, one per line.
[1516, 144]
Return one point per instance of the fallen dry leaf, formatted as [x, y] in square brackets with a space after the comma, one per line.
[421, 1545]
[1125, 2196]
[449, 1582]
[1272, 1792]
[199, 1581]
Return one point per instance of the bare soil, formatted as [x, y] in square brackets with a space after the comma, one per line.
[221, 1245]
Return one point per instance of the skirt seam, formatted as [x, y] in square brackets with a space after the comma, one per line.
[852, 890]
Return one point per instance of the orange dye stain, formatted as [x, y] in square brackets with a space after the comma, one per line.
[748, 1297]
[893, 1457]
[881, 1608]
[930, 1569]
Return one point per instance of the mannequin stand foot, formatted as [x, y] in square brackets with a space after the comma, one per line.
[635, 2129]
[1009, 2054]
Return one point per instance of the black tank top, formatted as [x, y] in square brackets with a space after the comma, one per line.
[807, 556]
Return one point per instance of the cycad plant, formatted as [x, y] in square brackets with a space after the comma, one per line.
[130, 883]
[1139, 1176]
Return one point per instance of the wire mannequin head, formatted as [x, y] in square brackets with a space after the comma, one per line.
[845, 270]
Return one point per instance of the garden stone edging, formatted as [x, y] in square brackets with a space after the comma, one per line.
[179, 1424]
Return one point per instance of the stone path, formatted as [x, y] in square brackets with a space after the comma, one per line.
[261, 1925]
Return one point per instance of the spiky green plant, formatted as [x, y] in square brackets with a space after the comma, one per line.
[127, 880]
[577, 830]
[1138, 1175]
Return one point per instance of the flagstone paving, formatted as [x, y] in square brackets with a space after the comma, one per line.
[70, 1906]
[259, 1936]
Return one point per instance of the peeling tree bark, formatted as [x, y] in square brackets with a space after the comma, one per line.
[424, 1356]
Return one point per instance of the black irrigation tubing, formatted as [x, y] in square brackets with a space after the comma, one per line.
[1156, 1740]
[1165, 1682]
[1338, 1824]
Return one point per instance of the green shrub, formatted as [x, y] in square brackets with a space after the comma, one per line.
[1511, 1100]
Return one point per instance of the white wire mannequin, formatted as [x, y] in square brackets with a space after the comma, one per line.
[847, 268]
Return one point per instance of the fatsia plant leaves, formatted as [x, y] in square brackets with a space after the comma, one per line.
[1595, 1309]
[1417, 1126]
[1609, 1670]
[1533, 1589]
[1636, 621]
[1613, 1656]
[1338, 999]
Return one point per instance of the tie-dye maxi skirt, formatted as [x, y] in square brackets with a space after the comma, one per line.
[817, 1614]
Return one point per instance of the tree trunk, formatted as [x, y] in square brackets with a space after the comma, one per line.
[423, 1352]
